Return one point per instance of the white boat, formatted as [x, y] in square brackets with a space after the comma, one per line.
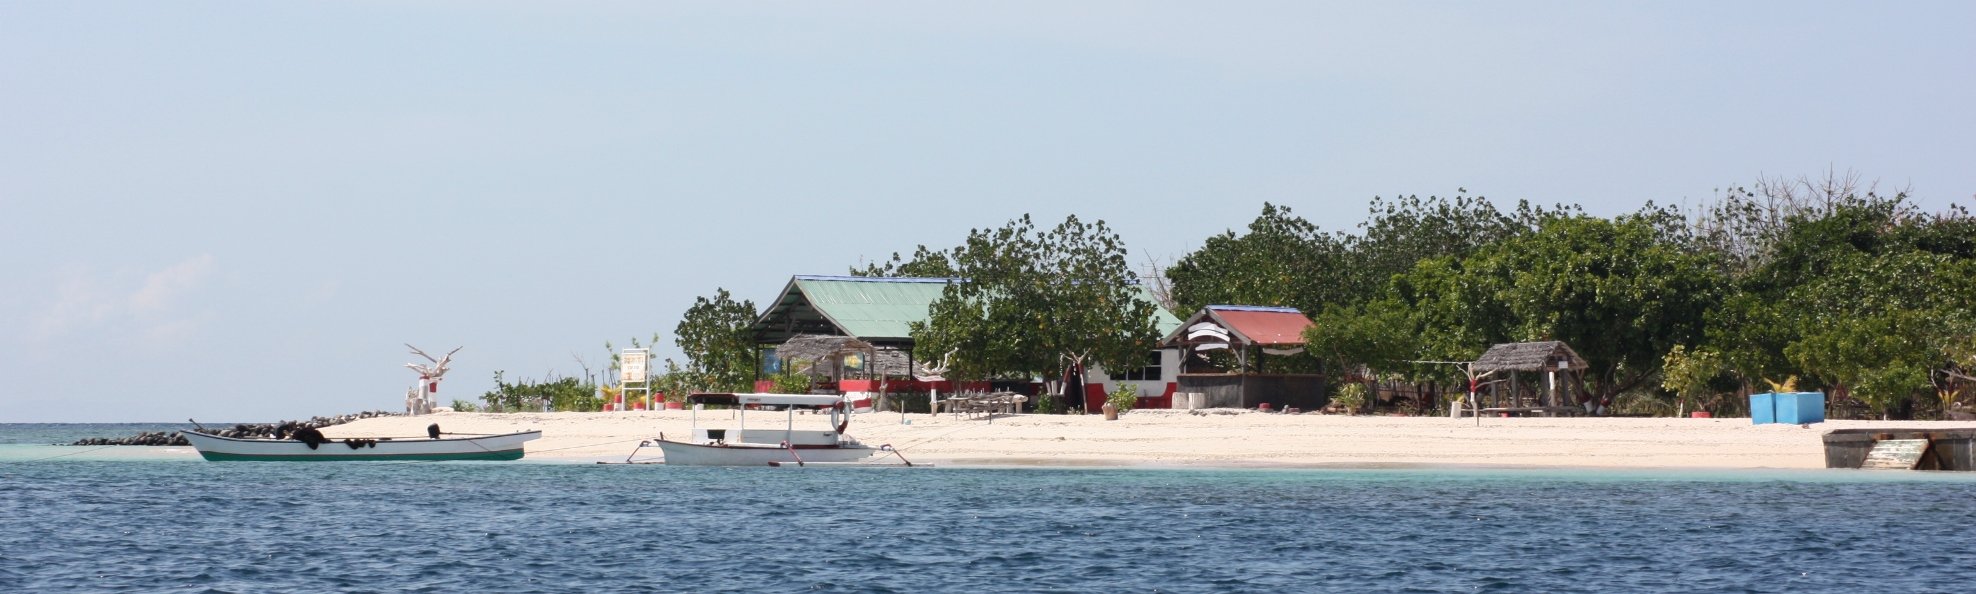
[766, 446]
[506, 446]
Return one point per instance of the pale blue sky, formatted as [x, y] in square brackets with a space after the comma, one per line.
[239, 211]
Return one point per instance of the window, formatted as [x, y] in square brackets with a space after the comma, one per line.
[1149, 373]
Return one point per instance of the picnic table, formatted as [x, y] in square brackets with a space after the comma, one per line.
[984, 404]
[1542, 411]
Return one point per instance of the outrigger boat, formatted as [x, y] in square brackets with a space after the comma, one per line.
[507, 446]
[766, 446]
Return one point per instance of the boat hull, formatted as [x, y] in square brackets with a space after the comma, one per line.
[490, 447]
[687, 454]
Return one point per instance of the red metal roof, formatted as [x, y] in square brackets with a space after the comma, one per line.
[1267, 328]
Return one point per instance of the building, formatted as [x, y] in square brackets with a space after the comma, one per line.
[879, 311]
[1251, 334]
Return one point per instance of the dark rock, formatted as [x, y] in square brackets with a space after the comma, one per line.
[239, 431]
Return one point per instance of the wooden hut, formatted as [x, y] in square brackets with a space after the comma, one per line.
[1551, 366]
[830, 358]
[1251, 333]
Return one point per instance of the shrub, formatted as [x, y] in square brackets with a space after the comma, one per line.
[1350, 397]
[1124, 397]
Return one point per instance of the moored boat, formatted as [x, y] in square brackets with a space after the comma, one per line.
[764, 446]
[507, 446]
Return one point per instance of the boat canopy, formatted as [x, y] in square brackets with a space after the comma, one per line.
[769, 399]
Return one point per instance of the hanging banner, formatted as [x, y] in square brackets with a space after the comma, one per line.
[631, 365]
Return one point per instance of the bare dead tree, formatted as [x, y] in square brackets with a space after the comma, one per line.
[585, 365]
[1158, 284]
[1746, 223]
[429, 376]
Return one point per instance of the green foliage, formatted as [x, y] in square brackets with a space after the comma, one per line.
[1283, 260]
[925, 263]
[1621, 292]
[1691, 374]
[1350, 397]
[1858, 294]
[1124, 398]
[465, 406]
[719, 346]
[1890, 388]
[563, 394]
[675, 382]
[790, 382]
[1374, 335]
[1051, 404]
[1400, 233]
[617, 357]
[1034, 299]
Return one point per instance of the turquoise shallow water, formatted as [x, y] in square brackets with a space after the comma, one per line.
[187, 526]
[51, 433]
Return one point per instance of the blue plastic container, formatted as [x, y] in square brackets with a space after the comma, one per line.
[1763, 408]
[1798, 408]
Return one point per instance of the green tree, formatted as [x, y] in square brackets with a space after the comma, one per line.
[1283, 260]
[1691, 375]
[1377, 335]
[715, 336]
[1400, 233]
[1621, 292]
[925, 263]
[1034, 299]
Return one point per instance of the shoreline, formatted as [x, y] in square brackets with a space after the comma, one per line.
[1223, 438]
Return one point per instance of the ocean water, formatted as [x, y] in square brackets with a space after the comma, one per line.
[62, 433]
[181, 525]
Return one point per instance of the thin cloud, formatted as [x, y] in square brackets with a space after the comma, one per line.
[152, 311]
[163, 286]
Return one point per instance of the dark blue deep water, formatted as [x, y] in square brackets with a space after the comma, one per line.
[69, 525]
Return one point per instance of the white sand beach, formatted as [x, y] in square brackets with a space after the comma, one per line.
[1219, 438]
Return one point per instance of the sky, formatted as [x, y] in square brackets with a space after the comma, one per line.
[243, 211]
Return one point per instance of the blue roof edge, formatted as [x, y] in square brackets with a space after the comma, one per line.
[873, 279]
[895, 279]
[1262, 308]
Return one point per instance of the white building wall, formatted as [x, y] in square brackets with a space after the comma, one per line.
[1169, 373]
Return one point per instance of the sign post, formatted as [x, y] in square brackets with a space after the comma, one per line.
[632, 375]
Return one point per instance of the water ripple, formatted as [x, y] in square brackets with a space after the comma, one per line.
[148, 527]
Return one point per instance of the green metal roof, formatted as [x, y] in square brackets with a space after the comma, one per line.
[875, 309]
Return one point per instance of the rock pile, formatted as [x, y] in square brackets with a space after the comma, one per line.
[143, 439]
[242, 431]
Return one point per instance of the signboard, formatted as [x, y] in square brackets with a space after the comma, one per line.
[631, 365]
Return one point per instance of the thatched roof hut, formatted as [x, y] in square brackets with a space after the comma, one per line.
[1549, 355]
[816, 347]
[878, 361]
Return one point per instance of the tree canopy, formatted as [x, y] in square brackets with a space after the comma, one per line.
[1026, 302]
[1858, 294]
[720, 350]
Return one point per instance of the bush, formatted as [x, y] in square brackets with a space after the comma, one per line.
[1350, 397]
[1050, 404]
[464, 406]
[1124, 398]
[565, 394]
[791, 382]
